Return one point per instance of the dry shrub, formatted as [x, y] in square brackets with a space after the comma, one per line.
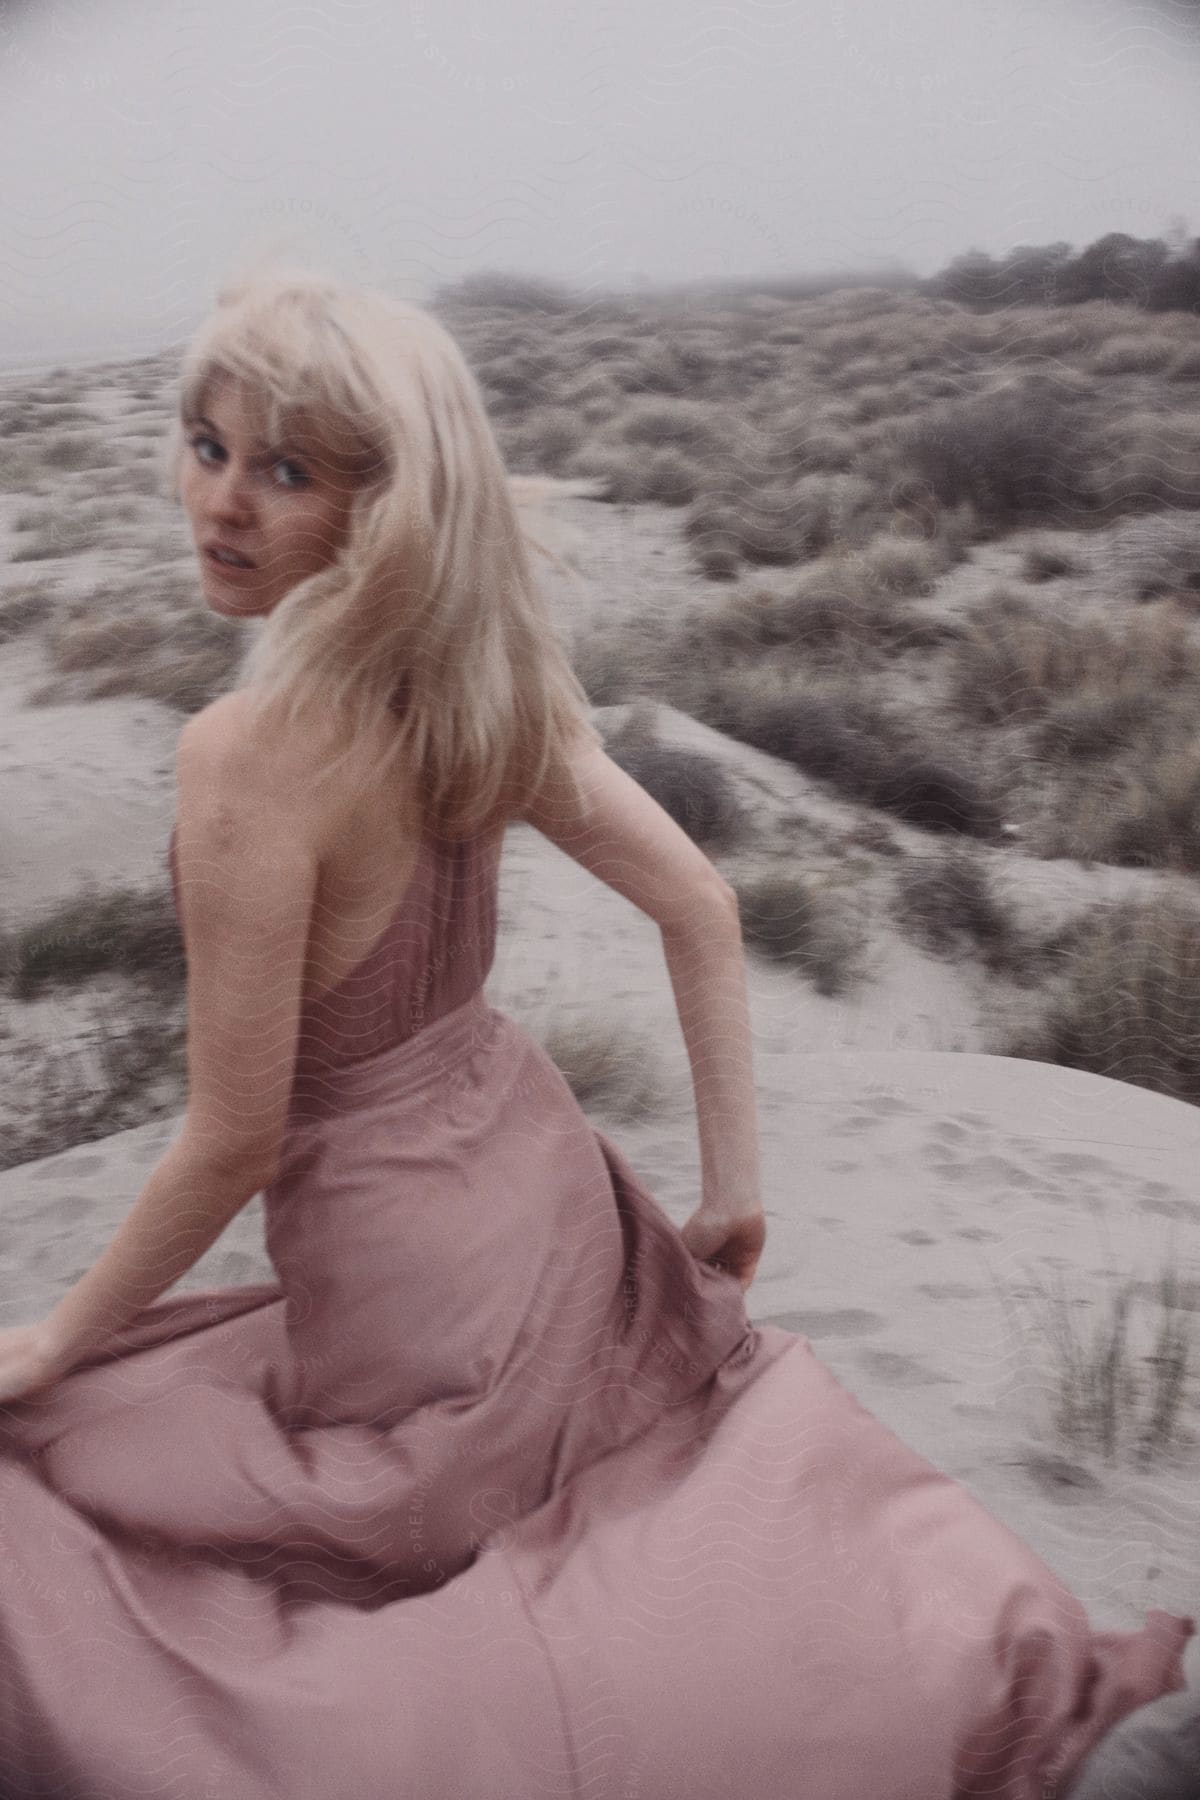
[1132, 353]
[789, 919]
[547, 441]
[1146, 460]
[125, 932]
[1013, 454]
[627, 476]
[1130, 1001]
[778, 523]
[25, 608]
[136, 1072]
[689, 425]
[1150, 820]
[605, 1065]
[1185, 366]
[67, 530]
[946, 902]
[1013, 660]
[1097, 721]
[183, 659]
[1046, 560]
[1099, 1400]
[845, 738]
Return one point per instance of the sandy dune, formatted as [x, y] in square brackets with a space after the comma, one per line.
[918, 1188]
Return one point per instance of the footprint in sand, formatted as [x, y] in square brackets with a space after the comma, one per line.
[1057, 1475]
[916, 1236]
[846, 1321]
[904, 1371]
[878, 1104]
[1169, 1209]
[1077, 1162]
[951, 1131]
[998, 1169]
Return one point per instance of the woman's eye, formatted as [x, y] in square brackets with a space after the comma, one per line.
[298, 479]
[301, 478]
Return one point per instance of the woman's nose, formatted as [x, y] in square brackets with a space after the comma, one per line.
[229, 495]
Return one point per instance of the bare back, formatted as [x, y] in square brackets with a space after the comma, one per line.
[366, 839]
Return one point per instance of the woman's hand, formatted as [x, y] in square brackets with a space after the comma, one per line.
[732, 1241]
[28, 1361]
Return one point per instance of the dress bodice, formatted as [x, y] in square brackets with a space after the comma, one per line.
[434, 953]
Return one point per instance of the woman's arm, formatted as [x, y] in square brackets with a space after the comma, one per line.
[608, 822]
[706, 963]
[183, 1209]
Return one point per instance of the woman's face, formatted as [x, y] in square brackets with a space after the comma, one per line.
[283, 509]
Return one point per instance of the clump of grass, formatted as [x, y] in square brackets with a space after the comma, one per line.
[777, 522]
[1145, 817]
[1129, 1006]
[25, 608]
[898, 565]
[67, 530]
[547, 441]
[946, 901]
[124, 932]
[619, 660]
[1185, 366]
[1158, 556]
[629, 475]
[1148, 460]
[74, 450]
[606, 1066]
[607, 665]
[133, 1075]
[1132, 354]
[671, 424]
[129, 645]
[788, 919]
[1099, 1402]
[1016, 454]
[1096, 722]
[848, 740]
[1046, 560]
[843, 608]
[827, 612]
[1013, 660]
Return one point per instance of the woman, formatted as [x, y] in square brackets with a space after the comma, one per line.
[495, 1490]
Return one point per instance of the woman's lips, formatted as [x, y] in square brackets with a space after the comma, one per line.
[228, 568]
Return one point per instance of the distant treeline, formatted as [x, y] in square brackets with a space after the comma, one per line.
[1143, 272]
[1128, 271]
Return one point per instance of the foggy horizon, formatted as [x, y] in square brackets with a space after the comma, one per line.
[149, 155]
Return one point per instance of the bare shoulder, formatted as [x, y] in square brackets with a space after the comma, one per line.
[222, 752]
[228, 759]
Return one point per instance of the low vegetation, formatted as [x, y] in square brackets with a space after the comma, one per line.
[832, 464]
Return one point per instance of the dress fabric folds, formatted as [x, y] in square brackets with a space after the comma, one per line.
[494, 1491]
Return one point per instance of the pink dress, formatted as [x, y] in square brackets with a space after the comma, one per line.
[496, 1494]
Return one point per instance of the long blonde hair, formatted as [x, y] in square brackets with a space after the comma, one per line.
[431, 615]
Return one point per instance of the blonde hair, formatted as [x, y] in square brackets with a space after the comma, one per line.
[431, 614]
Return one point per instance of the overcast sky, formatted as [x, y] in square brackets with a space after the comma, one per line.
[147, 147]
